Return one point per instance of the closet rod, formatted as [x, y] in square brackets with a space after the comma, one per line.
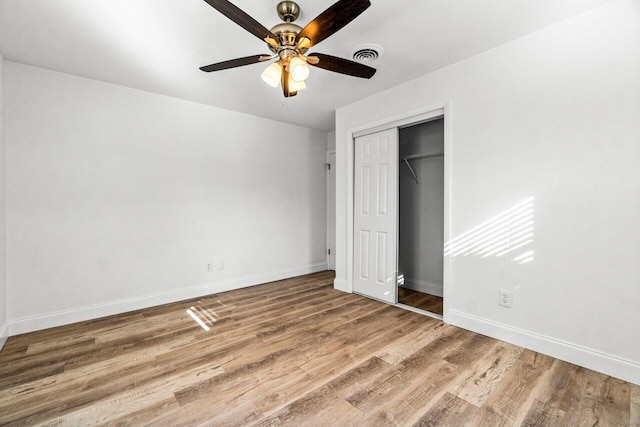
[421, 156]
[416, 157]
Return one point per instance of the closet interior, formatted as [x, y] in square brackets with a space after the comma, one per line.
[421, 216]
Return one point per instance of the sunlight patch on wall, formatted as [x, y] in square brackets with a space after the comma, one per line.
[504, 233]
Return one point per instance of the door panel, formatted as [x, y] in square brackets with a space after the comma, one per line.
[375, 211]
[364, 254]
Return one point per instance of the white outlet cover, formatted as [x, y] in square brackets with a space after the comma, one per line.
[505, 298]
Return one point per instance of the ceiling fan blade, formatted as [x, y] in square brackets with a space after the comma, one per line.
[232, 63]
[333, 19]
[343, 66]
[238, 16]
[285, 84]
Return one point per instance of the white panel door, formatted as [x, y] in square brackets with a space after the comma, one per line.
[375, 215]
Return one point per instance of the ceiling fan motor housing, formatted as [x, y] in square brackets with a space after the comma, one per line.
[286, 33]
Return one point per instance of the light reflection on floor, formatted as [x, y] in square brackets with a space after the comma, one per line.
[204, 315]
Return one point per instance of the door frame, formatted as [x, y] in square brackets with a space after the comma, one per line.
[408, 118]
[329, 194]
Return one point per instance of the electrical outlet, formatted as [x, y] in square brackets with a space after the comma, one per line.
[505, 298]
[208, 267]
[221, 264]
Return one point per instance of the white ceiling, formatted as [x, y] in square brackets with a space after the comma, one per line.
[158, 45]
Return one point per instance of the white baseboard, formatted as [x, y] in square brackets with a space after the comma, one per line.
[423, 286]
[608, 364]
[4, 334]
[341, 285]
[80, 314]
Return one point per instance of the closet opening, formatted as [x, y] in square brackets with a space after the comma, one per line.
[421, 216]
[398, 185]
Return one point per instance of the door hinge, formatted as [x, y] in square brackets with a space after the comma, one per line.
[329, 251]
[328, 166]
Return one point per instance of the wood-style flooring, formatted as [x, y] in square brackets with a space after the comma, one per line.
[426, 302]
[294, 352]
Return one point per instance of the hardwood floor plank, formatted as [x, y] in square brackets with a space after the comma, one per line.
[312, 320]
[423, 301]
[407, 405]
[294, 352]
[91, 383]
[412, 341]
[335, 358]
[428, 384]
[613, 401]
[510, 401]
[569, 389]
[139, 400]
[310, 406]
[470, 351]
[80, 329]
[478, 385]
[341, 413]
[634, 416]
[543, 414]
[236, 416]
[347, 348]
[285, 353]
[142, 417]
[428, 360]
[30, 374]
[450, 410]
[69, 379]
[238, 380]
[31, 363]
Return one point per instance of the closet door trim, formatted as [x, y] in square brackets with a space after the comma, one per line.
[408, 118]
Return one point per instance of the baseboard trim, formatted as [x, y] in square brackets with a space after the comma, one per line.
[341, 285]
[608, 364]
[80, 314]
[4, 334]
[423, 286]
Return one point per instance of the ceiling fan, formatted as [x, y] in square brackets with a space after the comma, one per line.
[289, 43]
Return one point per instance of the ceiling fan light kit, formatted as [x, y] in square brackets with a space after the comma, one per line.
[272, 74]
[289, 43]
[298, 69]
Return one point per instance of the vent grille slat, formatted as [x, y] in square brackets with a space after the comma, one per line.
[368, 53]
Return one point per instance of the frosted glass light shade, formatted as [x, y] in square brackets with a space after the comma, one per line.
[295, 86]
[272, 74]
[299, 69]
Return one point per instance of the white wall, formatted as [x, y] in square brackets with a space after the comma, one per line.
[554, 116]
[116, 198]
[331, 140]
[4, 325]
